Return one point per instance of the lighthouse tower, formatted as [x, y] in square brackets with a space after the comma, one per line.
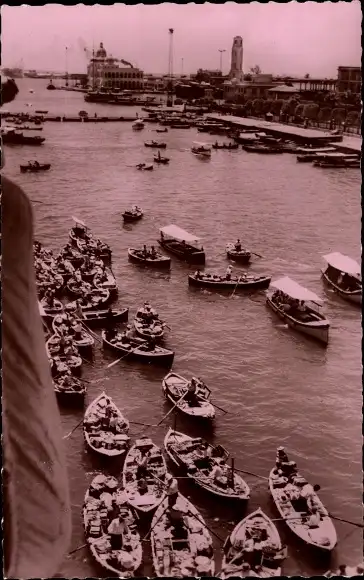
[236, 70]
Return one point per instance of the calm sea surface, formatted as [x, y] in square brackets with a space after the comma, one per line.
[278, 388]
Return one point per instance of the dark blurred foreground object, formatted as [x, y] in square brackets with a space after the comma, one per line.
[9, 90]
[36, 504]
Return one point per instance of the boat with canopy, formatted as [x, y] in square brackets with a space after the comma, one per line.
[295, 305]
[337, 160]
[343, 274]
[201, 149]
[181, 243]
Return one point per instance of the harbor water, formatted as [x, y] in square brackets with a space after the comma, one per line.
[277, 387]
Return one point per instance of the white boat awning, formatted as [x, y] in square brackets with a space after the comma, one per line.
[178, 234]
[343, 263]
[296, 291]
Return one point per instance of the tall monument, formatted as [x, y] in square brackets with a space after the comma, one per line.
[236, 70]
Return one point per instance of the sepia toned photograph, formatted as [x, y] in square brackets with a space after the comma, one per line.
[181, 290]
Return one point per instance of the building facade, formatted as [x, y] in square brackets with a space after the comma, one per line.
[236, 69]
[257, 88]
[105, 72]
[349, 79]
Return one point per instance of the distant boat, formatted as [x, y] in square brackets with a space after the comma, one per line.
[51, 86]
[31, 91]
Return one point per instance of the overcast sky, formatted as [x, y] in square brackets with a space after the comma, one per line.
[282, 38]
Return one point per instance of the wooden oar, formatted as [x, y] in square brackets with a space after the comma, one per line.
[346, 521]
[255, 254]
[88, 330]
[170, 411]
[217, 406]
[144, 424]
[74, 429]
[76, 549]
[152, 527]
[251, 473]
[237, 284]
[204, 524]
[120, 359]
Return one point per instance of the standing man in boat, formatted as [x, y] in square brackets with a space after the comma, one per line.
[172, 490]
[116, 530]
[238, 245]
[229, 269]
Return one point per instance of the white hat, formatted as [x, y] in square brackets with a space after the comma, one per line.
[280, 449]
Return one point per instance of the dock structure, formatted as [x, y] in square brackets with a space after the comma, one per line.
[349, 144]
[297, 134]
[89, 119]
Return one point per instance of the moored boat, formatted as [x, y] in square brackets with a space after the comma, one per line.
[138, 349]
[201, 149]
[262, 148]
[138, 125]
[290, 500]
[182, 244]
[343, 275]
[295, 305]
[196, 404]
[69, 389]
[46, 309]
[221, 282]
[240, 255]
[95, 300]
[337, 160]
[105, 428]
[266, 557]
[181, 547]
[101, 317]
[157, 260]
[105, 281]
[122, 560]
[81, 338]
[198, 459]
[144, 485]
[307, 155]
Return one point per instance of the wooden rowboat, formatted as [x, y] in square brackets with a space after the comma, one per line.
[174, 386]
[160, 261]
[255, 526]
[192, 555]
[243, 282]
[241, 256]
[324, 536]
[108, 284]
[121, 563]
[132, 216]
[101, 439]
[154, 328]
[69, 390]
[94, 318]
[96, 299]
[157, 470]
[138, 349]
[86, 342]
[45, 310]
[185, 453]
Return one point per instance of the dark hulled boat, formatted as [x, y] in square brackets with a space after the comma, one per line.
[182, 244]
[243, 282]
[159, 261]
[138, 349]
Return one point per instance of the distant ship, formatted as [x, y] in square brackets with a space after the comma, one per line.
[13, 73]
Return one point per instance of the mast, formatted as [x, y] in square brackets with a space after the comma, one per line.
[66, 66]
[170, 70]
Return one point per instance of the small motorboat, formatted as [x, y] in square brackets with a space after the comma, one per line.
[343, 275]
[295, 512]
[145, 166]
[201, 149]
[133, 215]
[242, 282]
[155, 144]
[138, 125]
[295, 305]
[193, 556]
[122, 563]
[175, 389]
[34, 166]
[105, 428]
[138, 349]
[197, 458]
[147, 499]
[257, 527]
[156, 260]
[242, 256]
[182, 244]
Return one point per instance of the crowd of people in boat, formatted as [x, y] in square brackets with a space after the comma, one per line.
[151, 254]
[295, 308]
[346, 282]
[105, 426]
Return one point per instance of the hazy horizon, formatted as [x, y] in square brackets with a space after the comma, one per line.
[281, 38]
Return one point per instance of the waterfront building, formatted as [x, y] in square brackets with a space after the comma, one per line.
[349, 79]
[236, 69]
[106, 72]
[155, 83]
[257, 88]
[282, 92]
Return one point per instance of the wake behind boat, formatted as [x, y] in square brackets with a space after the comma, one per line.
[295, 305]
[182, 244]
[206, 465]
[254, 546]
[144, 474]
[343, 275]
[181, 542]
[191, 396]
[120, 554]
[105, 428]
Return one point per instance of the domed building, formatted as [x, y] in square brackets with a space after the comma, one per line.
[107, 73]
